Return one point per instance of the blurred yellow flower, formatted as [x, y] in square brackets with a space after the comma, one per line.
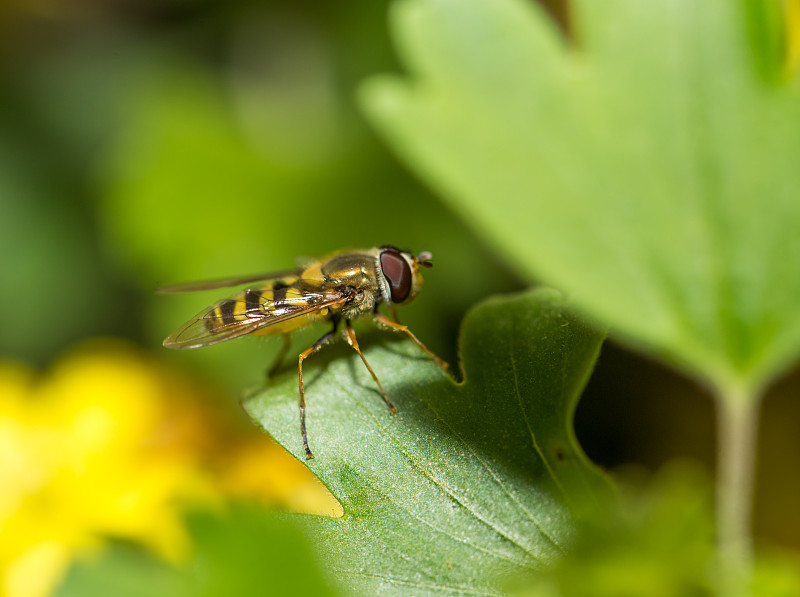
[792, 34]
[110, 444]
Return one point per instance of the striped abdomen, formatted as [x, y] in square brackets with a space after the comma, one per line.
[275, 299]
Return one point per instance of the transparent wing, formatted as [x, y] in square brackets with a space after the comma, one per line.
[223, 282]
[219, 322]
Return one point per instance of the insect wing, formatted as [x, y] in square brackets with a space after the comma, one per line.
[219, 322]
[223, 282]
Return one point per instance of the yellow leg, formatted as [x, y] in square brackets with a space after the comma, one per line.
[303, 356]
[397, 327]
[351, 340]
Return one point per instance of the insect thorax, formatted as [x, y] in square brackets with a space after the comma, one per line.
[355, 273]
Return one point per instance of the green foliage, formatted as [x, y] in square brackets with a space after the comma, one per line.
[239, 553]
[658, 541]
[655, 541]
[648, 170]
[468, 481]
[48, 262]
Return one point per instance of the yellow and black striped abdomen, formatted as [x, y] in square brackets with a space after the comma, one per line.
[273, 300]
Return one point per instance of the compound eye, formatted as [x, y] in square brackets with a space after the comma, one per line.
[397, 273]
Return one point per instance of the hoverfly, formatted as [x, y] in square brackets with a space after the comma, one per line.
[343, 286]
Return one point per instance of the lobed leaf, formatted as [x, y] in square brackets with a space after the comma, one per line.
[468, 481]
[649, 171]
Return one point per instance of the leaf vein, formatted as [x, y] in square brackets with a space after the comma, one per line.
[495, 477]
[535, 444]
[444, 531]
[416, 464]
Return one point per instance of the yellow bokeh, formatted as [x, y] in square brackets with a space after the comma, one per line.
[792, 34]
[111, 444]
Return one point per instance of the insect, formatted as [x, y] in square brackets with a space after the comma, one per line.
[343, 286]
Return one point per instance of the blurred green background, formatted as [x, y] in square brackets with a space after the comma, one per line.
[152, 142]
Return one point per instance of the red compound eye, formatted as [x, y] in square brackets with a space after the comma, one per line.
[397, 273]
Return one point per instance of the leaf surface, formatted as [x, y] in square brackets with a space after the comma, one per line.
[649, 171]
[467, 481]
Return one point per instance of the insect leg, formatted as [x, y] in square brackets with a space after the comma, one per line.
[303, 356]
[351, 340]
[397, 327]
[287, 344]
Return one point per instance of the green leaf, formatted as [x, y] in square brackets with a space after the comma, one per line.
[123, 570]
[657, 540]
[244, 552]
[649, 171]
[467, 481]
